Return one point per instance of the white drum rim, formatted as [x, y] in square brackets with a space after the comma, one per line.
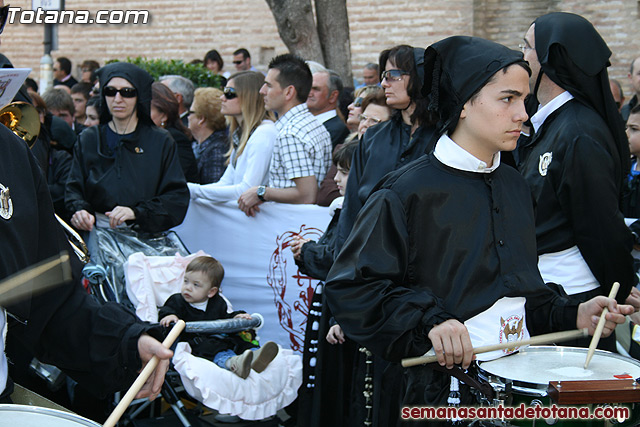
[69, 416]
[538, 389]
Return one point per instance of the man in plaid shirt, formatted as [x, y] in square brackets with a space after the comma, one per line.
[302, 152]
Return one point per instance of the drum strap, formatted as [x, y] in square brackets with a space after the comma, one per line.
[470, 379]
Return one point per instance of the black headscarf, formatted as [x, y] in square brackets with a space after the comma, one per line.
[574, 56]
[139, 79]
[456, 68]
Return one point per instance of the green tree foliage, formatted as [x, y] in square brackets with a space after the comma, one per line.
[199, 75]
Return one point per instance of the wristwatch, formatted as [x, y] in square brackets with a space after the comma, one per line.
[260, 192]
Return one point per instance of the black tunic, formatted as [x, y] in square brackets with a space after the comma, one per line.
[144, 174]
[435, 243]
[454, 242]
[577, 200]
[95, 344]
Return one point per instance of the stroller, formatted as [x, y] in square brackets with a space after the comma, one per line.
[143, 275]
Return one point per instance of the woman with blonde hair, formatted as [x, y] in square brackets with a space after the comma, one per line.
[252, 133]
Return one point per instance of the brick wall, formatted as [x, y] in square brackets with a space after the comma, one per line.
[186, 30]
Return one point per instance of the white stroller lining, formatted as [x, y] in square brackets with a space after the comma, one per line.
[150, 280]
[257, 397]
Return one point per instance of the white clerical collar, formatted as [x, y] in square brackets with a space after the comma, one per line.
[452, 155]
[327, 115]
[543, 112]
[202, 306]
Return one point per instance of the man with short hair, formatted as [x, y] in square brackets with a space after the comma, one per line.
[634, 79]
[576, 161]
[60, 104]
[183, 90]
[62, 73]
[302, 152]
[323, 102]
[371, 74]
[242, 60]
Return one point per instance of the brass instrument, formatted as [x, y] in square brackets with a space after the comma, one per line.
[23, 119]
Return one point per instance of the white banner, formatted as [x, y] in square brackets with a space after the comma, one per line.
[260, 273]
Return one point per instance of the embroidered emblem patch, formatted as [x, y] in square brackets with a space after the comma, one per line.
[545, 161]
[6, 205]
[511, 331]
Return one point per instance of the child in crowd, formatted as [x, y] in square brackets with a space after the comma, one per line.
[631, 196]
[315, 258]
[200, 299]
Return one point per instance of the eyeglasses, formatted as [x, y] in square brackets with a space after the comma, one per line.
[393, 75]
[358, 102]
[238, 62]
[524, 47]
[190, 112]
[4, 14]
[125, 92]
[364, 118]
[230, 93]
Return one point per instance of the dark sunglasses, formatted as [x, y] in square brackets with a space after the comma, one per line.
[125, 92]
[393, 75]
[230, 93]
[238, 62]
[358, 102]
[4, 14]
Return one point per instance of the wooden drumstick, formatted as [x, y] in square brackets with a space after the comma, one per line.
[142, 377]
[596, 335]
[538, 340]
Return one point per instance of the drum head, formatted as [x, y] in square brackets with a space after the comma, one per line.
[532, 368]
[34, 416]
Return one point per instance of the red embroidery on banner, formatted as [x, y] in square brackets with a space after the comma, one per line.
[292, 292]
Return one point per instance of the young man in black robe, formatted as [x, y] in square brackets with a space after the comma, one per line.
[575, 161]
[445, 248]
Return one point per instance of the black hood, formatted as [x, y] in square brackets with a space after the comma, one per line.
[575, 57]
[139, 79]
[456, 68]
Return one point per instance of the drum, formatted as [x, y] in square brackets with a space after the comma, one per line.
[527, 374]
[34, 416]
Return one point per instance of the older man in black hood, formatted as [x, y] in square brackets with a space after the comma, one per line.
[576, 160]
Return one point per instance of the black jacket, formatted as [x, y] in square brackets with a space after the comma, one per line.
[144, 174]
[626, 109]
[436, 243]
[216, 309]
[337, 129]
[577, 196]
[185, 155]
[383, 149]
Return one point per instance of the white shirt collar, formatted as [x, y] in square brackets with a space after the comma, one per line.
[200, 305]
[452, 155]
[327, 115]
[543, 112]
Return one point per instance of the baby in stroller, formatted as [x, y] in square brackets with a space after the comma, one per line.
[199, 299]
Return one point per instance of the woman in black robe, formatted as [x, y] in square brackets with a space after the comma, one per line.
[126, 168]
